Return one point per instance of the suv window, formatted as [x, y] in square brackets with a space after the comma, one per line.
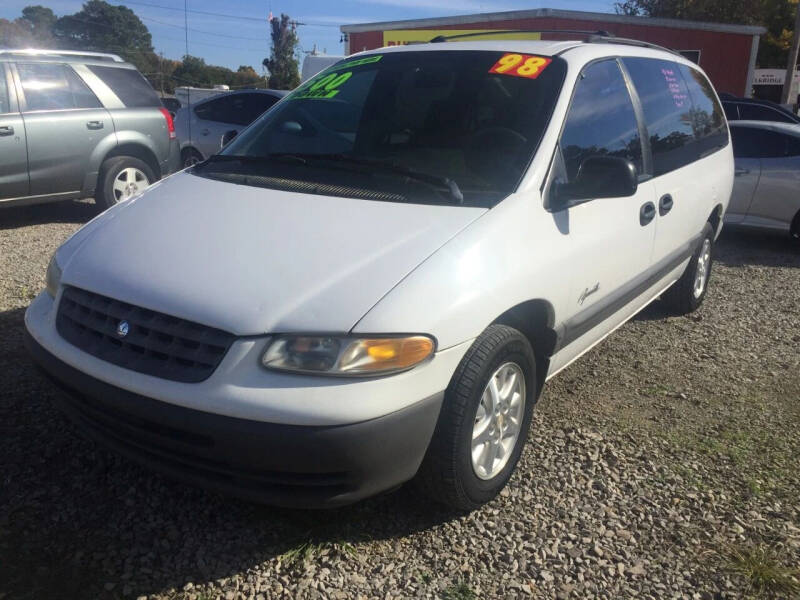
[710, 129]
[129, 85]
[749, 142]
[667, 111]
[49, 86]
[4, 103]
[601, 119]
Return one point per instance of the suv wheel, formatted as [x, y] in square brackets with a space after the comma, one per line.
[687, 294]
[120, 178]
[484, 421]
[190, 157]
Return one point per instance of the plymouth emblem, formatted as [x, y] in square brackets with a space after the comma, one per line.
[123, 328]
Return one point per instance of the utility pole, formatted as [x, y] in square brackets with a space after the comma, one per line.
[792, 64]
[161, 71]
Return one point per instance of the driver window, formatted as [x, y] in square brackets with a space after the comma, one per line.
[601, 120]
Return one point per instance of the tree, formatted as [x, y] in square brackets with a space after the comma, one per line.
[103, 27]
[40, 19]
[776, 15]
[282, 64]
[34, 29]
[100, 26]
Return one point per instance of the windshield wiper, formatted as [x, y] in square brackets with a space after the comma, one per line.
[249, 158]
[435, 181]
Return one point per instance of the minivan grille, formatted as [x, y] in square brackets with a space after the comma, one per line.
[155, 343]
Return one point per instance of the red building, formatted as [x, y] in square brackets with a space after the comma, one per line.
[726, 52]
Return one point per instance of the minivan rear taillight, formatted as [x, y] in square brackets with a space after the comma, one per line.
[170, 122]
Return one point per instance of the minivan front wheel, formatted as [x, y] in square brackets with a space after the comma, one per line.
[122, 177]
[484, 421]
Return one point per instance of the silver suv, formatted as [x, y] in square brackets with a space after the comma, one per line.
[77, 124]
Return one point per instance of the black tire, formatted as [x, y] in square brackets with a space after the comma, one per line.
[447, 475]
[681, 299]
[794, 228]
[105, 196]
[190, 157]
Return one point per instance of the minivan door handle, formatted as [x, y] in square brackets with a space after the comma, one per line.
[94, 125]
[740, 172]
[665, 204]
[647, 213]
[6, 130]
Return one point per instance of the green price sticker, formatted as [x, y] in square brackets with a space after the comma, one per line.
[325, 87]
[328, 86]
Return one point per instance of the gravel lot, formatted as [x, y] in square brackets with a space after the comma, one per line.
[664, 464]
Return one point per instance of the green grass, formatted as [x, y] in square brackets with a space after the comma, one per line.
[762, 569]
[307, 550]
[459, 591]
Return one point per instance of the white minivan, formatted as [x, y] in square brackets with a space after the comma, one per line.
[373, 281]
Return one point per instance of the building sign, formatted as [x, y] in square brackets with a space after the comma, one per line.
[772, 77]
[400, 37]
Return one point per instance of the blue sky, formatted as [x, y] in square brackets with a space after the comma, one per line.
[234, 42]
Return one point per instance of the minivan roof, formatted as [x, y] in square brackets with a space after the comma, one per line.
[603, 48]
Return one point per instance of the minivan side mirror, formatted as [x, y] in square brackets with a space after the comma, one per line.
[228, 136]
[598, 177]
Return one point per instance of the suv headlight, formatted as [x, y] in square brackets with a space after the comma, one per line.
[340, 355]
[53, 276]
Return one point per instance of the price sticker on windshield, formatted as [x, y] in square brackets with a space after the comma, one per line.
[521, 65]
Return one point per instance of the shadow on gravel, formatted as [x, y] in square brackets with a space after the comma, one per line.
[78, 211]
[79, 522]
[739, 247]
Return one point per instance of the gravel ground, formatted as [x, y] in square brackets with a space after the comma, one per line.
[662, 465]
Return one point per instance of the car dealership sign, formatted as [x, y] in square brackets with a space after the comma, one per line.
[773, 77]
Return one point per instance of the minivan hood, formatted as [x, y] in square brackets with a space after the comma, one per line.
[252, 260]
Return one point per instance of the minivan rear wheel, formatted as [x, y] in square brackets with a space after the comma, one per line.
[122, 177]
[484, 421]
[687, 294]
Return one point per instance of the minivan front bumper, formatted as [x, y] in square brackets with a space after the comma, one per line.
[288, 465]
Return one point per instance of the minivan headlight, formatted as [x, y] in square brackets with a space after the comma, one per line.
[53, 276]
[339, 355]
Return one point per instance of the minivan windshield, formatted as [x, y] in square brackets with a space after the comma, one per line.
[415, 126]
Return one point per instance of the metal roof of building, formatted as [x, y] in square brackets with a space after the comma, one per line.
[552, 13]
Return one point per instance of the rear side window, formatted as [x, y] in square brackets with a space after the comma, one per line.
[601, 119]
[755, 112]
[750, 142]
[129, 85]
[708, 120]
[218, 109]
[252, 106]
[667, 111]
[50, 86]
[4, 104]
